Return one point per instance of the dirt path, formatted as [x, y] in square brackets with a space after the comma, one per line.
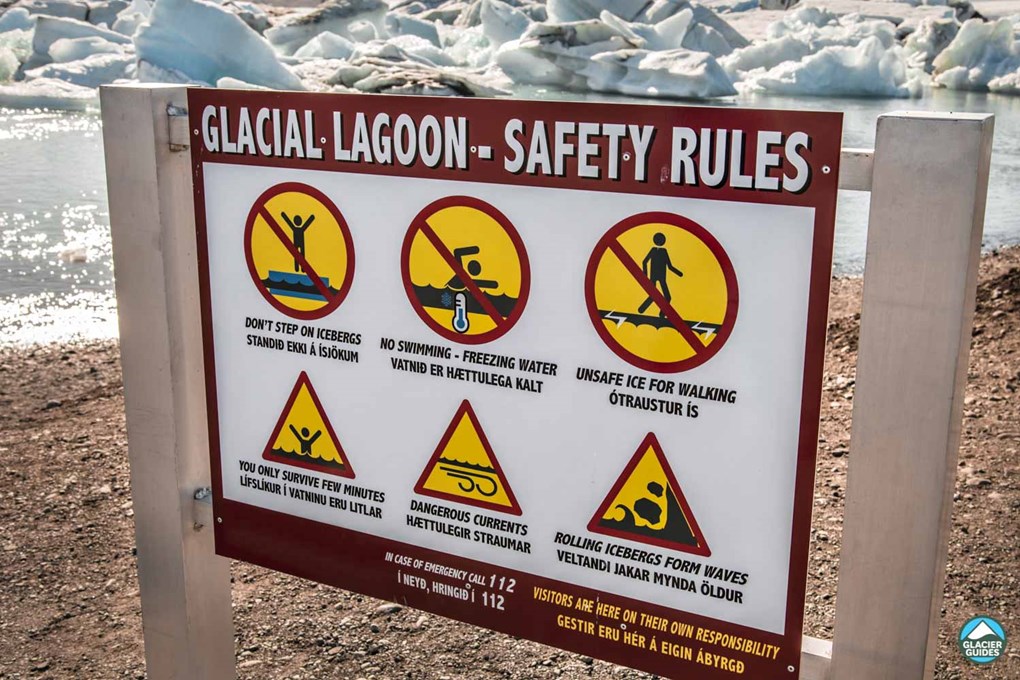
[68, 588]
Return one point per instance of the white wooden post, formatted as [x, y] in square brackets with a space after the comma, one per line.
[185, 587]
[929, 184]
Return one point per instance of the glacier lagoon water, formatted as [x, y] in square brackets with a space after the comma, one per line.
[56, 272]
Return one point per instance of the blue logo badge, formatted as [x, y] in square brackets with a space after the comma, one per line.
[982, 640]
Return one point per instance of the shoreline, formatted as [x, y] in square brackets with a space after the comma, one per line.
[67, 537]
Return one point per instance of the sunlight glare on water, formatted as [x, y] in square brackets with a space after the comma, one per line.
[56, 271]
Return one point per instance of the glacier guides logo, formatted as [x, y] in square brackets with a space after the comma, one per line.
[982, 639]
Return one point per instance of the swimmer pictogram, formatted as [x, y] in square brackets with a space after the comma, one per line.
[647, 505]
[299, 250]
[465, 270]
[661, 292]
[304, 437]
[464, 467]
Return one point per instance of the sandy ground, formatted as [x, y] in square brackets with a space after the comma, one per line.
[69, 603]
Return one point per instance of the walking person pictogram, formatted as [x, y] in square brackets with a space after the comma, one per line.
[656, 266]
[299, 235]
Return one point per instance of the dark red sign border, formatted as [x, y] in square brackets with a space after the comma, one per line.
[604, 246]
[311, 550]
[650, 440]
[419, 488]
[419, 223]
[303, 379]
[345, 231]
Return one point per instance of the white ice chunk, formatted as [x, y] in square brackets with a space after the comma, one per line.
[678, 73]
[70, 9]
[467, 46]
[73, 49]
[502, 22]
[369, 74]
[48, 93]
[867, 70]
[326, 46]
[19, 42]
[928, 40]
[150, 73]
[981, 53]
[608, 55]
[92, 71]
[16, 19]
[563, 11]
[803, 32]
[249, 13]
[1007, 84]
[105, 13]
[48, 30]
[128, 23]
[229, 83]
[363, 31]
[9, 64]
[316, 74]
[205, 42]
[402, 24]
[766, 55]
[335, 16]
[406, 47]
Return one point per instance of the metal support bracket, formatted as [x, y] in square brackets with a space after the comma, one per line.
[201, 508]
[177, 128]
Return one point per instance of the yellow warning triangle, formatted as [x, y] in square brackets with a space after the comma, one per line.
[647, 505]
[464, 468]
[304, 436]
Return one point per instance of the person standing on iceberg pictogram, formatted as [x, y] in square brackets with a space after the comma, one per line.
[298, 231]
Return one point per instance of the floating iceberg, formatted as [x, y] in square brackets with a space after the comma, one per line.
[930, 38]
[49, 30]
[867, 70]
[609, 54]
[92, 71]
[326, 46]
[372, 74]
[69, 9]
[47, 93]
[680, 74]
[73, 49]
[981, 57]
[348, 18]
[106, 13]
[16, 19]
[204, 42]
[502, 22]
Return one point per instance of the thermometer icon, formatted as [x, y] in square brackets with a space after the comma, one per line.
[460, 319]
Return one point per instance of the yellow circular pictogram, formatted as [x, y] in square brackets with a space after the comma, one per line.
[465, 270]
[661, 292]
[299, 250]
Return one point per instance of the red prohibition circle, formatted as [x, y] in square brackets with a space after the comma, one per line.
[345, 286]
[419, 223]
[702, 353]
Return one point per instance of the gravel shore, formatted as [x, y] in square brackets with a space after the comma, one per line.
[69, 604]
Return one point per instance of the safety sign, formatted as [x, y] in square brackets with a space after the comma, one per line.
[647, 505]
[661, 292]
[299, 250]
[303, 435]
[465, 270]
[465, 469]
[570, 391]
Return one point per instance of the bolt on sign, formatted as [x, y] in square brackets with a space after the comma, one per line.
[571, 390]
